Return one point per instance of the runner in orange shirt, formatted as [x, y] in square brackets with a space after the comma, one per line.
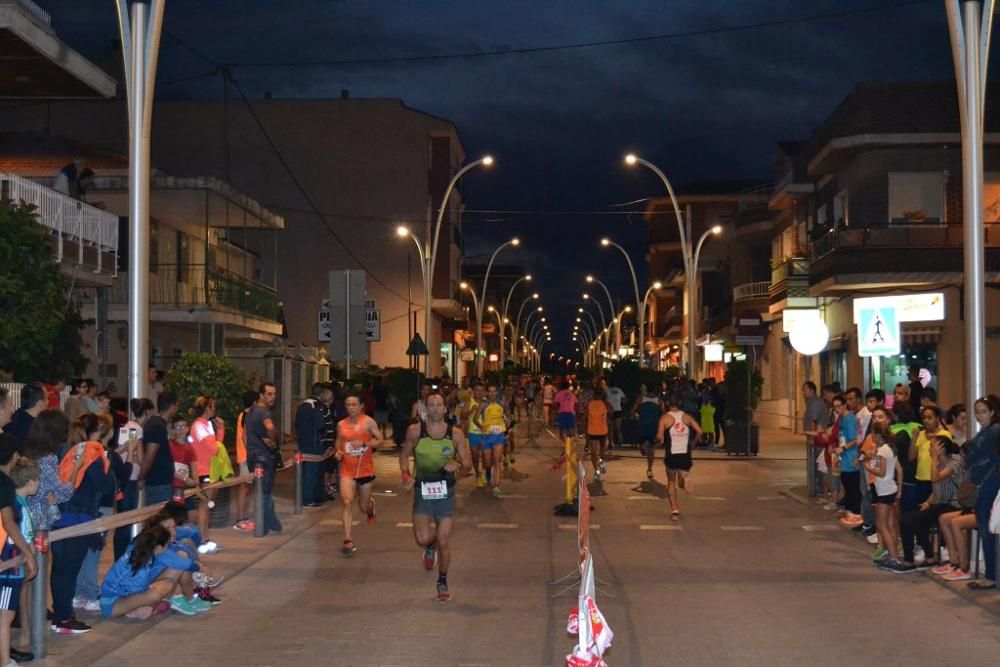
[358, 436]
[597, 432]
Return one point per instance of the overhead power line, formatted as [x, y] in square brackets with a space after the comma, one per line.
[468, 55]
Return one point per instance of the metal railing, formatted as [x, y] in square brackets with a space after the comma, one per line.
[32, 8]
[68, 218]
[899, 235]
[197, 285]
[790, 266]
[750, 291]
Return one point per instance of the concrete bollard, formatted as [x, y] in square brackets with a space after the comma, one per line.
[258, 500]
[299, 475]
[40, 597]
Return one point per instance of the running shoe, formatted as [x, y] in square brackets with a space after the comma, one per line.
[829, 507]
[207, 595]
[348, 549]
[182, 605]
[895, 566]
[481, 480]
[140, 614]
[851, 520]
[918, 554]
[209, 547]
[597, 476]
[372, 515]
[880, 554]
[675, 515]
[603, 468]
[199, 604]
[443, 593]
[649, 475]
[943, 569]
[958, 574]
[430, 558]
[246, 525]
[944, 554]
[872, 539]
[497, 493]
[205, 580]
[71, 627]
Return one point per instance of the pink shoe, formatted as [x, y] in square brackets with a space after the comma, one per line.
[958, 574]
[943, 569]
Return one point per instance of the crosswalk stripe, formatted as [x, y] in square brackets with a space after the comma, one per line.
[404, 524]
[572, 526]
[497, 526]
[742, 528]
[821, 528]
[660, 526]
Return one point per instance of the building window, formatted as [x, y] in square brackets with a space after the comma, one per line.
[916, 198]
[154, 246]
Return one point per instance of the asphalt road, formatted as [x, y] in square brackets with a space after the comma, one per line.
[749, 576]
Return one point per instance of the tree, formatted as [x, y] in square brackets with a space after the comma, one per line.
[202, 374]
[40, 332]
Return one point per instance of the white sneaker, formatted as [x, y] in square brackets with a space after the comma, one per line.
[209, 547]
[78, 602]
[205, 580]
[91, 605]
[918, 555]
[829, 507]
[944, 555]
[872, 539]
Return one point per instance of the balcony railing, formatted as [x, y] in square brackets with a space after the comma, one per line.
[32, 8]
[751, 291]
[68, 218]
[888, 235]
[195, 285]
[788, 267]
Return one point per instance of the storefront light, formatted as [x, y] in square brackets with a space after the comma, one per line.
[809, 336]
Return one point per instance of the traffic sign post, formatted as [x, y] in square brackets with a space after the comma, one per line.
[348, 329]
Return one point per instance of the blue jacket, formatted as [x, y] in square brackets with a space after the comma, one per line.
[310, 425]
[120, 581]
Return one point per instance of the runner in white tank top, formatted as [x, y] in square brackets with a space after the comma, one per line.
[677, 457]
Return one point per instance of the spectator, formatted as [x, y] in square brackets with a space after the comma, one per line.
[67, 180]
[89, 399]
[185, 470]
[815, 421]
[5, 407]
[920, 452]
[928, 397]
[88, 590]
[916, 389]
[157, 472]
[155, 386]
[146, 574]
[419, 410]
[381, 395]
[982, 457]
[48, 435]
[243, 521]
[310, 427]
[847, 450]
[947, 474]
[91, 483]
[185, 539]
[33, 401]
[882, 470]
[104, 403]
[331, 469]
[128, 458]
[207, 433]
[263, 441]
[54, 390]
[957, 422]
[615, 397]
[18, 480]
[74, 403]
[902, 408]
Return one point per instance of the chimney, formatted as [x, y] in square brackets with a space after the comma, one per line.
[345, 93]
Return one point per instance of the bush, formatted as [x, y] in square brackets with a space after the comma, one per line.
[736, 391]
[201, 374]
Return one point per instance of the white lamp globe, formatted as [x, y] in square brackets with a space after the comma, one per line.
[809, 337]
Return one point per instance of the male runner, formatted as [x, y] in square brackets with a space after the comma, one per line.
[468, 413]
[492, 419]
[677, 455]
[649, 410]
[358, 436]
[440, 454]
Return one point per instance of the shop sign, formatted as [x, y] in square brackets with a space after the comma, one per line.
[924, 307]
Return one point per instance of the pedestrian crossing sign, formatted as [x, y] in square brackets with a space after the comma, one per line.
[878, 331]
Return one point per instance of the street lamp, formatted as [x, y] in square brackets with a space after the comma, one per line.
[638, 304]
[600, 312]
[506, 307]
[607, 293]
[475, 306]
[693, 297]
[618, 325]
[429, 251]
[527, 321]
[517, 324]
[486, 278]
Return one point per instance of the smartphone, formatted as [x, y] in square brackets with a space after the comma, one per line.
[79, 450]
[132, 433]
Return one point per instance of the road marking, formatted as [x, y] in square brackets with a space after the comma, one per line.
[573, 526]
[707, 497]
[660, 526]
[821, 528]
[497, 526]
[742, 528]
[643, 498]
[387, 492]
[770, 497]
[337, 522]
[404, 524]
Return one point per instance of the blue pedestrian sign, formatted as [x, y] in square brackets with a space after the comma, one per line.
[878, 331]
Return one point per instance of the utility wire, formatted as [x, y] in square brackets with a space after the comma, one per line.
[468, 55]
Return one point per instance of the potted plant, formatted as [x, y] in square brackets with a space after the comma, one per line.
[742, 397]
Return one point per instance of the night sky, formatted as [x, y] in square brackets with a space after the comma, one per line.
[707, 106]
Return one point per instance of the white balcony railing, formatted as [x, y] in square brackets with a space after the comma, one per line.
[32, 8]
[68, 218]
[751, 291]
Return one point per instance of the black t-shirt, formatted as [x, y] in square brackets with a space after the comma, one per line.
[162, 471]
[8, 494]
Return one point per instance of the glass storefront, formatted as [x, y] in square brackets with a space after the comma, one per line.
[890, 371]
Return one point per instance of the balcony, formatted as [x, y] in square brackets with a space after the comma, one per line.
[199, 293]
[751, 291]
[885, 254]
[790, 285]
[80, 233]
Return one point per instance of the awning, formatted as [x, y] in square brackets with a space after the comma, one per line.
[921, 334]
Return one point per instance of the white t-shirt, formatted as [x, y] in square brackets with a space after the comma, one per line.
[679, 433]
[614, 397]
[886, 485]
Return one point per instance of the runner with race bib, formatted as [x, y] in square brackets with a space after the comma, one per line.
[677, 456]
[492, 419]
[358, 436]
[440, 455]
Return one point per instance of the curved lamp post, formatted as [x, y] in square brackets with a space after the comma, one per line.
[486, 278]
[638, 304]
[506, 307]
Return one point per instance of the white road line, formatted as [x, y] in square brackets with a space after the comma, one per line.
[770, 497]
[572, 526]
[821, 528]
[643, 498]
[707, 497]
[742, 528]
[497, 526]
[337, 522]
[660, 526]
[404, 524]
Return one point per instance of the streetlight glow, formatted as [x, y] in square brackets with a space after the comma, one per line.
[717, 229]
[605, 242]
[403, 231]
[515, 241]
[631, 159]
[590, 279]
[657, 285]
[528, 277]
[463, 285]
[488, 160]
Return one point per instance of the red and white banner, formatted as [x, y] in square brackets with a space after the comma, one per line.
[593, 632]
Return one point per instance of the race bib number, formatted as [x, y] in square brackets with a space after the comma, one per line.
[353, 449]
[181, 470]
[496, 430]
[434, 490]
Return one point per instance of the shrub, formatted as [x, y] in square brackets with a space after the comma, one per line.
[201, 374]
